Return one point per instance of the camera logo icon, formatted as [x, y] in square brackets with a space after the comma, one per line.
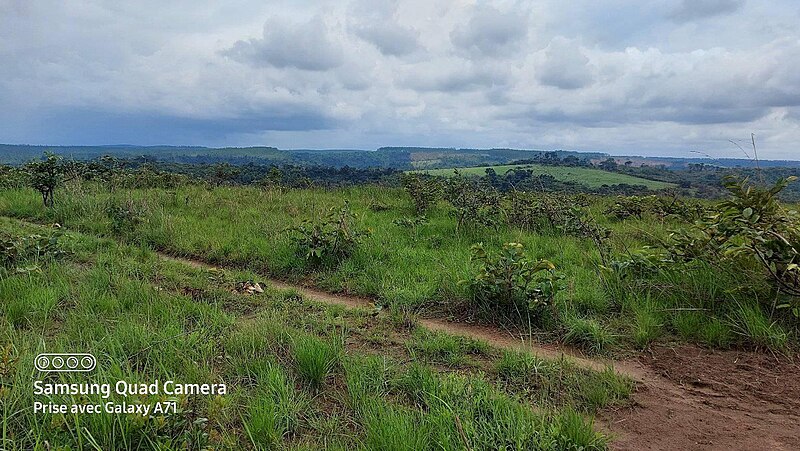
[59, 362]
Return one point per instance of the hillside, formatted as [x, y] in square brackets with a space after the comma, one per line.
[592, 178]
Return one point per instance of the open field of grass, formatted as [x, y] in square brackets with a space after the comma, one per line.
[297, 375]
[592, 178]
[420, 269]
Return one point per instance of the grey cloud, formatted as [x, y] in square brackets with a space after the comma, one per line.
[390, 38]
[690, 10]
[306, 46]
[490, 32]
[564, 66]
[453, 79]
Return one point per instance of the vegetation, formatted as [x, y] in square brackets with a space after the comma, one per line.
[607, 274]
[290, 381]
[592, 178]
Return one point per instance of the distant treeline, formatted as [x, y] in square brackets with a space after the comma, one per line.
[703, 181]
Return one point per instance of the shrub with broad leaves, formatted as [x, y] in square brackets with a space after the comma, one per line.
[328, 241]
[510, 283]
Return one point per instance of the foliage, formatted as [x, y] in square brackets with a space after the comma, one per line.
[751, 225]
[509, 282]
[330, 240]
[424, 190]
[410, 222]
[126, 216]
[474, 202]
[11, 177]
[25, 253]
[750, 230]
[546, 212]
[625, 207]
[47, 174]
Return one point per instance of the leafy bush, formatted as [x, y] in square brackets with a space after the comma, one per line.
[751, 226]
[25, 253]
[331, 240]
[544, 212]
[511, 283]
[10, 177]
[410, 223]
[474, 201]
[423, 189]
[625, 207]
[125, 216]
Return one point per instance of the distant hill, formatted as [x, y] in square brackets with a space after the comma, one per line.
[395, 157]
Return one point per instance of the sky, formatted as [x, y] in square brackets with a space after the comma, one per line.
[662, 77]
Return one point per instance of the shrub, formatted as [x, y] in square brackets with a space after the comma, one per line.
[511, 283]
[626, 207]
[555, 213]
[474, 202]
[424, 190]
[18, 251]
[125, 216]
[329, 241]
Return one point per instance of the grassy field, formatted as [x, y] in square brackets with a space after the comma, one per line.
[298, 375]
[592, 178]
[420, 269]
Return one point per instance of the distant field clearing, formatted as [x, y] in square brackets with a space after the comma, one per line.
[593, 178]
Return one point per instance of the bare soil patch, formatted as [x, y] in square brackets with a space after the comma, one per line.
[704, 399]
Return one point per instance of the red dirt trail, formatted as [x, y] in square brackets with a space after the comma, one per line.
[687, 398]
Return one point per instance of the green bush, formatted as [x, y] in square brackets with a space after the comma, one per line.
[329, 241]
[423, 189]
[510, 283]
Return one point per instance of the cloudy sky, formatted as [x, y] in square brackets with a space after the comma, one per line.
[663, 77]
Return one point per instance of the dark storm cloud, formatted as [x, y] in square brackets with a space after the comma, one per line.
[690, 10]
[68, 126]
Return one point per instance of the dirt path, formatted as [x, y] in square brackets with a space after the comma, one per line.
[687, 397]
[493, 336]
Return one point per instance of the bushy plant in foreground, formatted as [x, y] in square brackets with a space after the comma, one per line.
[24, 253]
[510, 283]
[331, 240]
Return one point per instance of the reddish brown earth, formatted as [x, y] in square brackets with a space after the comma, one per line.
[687, 398]
[701, 399]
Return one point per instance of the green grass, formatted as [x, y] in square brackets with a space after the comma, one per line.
[315, 358]
[592, 178]
[291, 381]
[419, 270]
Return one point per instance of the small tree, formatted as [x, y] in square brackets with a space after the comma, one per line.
[46, 175]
